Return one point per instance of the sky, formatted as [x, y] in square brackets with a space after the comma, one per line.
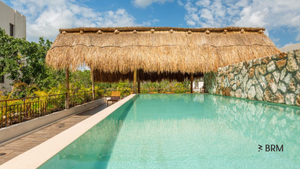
[281, 18]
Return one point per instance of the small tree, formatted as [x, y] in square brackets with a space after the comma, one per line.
[24, 61]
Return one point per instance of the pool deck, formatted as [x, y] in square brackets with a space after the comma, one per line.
[34, 155]
[24, 143]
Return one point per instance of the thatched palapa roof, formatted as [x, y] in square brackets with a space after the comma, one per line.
[157, 49]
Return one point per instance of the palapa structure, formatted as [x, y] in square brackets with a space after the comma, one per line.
[157, 53]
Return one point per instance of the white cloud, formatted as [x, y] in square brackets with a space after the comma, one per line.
[205, 14]
[252, 19]
[204, 3]
[298, 38]
[266, 32]
[192, 23]
[275, 39]
[44, 18]
[180, 3]
[145, 3]
[271, 14]
[117, 18]
[149, 23]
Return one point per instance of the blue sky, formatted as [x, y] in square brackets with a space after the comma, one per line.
[45, 17]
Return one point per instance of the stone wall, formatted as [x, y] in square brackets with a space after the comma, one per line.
[274, 79]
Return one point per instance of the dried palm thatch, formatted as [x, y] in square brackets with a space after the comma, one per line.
[157, 49]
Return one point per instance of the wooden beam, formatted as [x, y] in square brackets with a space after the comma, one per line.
[134, 81]
[139, 83]
[192, 81]
[67, 102]
[93, 84]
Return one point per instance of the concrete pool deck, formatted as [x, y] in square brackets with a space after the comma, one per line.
[17, 146]
[33, 150]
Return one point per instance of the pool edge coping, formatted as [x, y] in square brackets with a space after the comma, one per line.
[38, 155]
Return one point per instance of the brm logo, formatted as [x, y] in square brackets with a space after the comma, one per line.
[259, 148]
[271, 148]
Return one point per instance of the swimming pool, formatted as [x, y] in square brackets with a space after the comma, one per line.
[188, 131]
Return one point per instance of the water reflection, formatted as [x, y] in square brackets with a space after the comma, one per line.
[95, 145]
[265, 123]
[199, 98]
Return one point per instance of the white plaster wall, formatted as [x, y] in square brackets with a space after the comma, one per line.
[7, 16]
[10, 16]
[20, 25]
[6, 85]
[198, 86]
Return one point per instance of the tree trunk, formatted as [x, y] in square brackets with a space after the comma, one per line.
[67, 102]
[134, 81]
[93, 84]
[192, 81]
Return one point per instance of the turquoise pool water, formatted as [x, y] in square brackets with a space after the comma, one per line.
[187, 131]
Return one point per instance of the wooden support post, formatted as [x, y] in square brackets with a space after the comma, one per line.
[139, 83]
[67, 102]
[192, 81]
[93, 84]
[134, 81]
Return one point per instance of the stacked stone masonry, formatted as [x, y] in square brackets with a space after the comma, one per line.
[273, 79]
